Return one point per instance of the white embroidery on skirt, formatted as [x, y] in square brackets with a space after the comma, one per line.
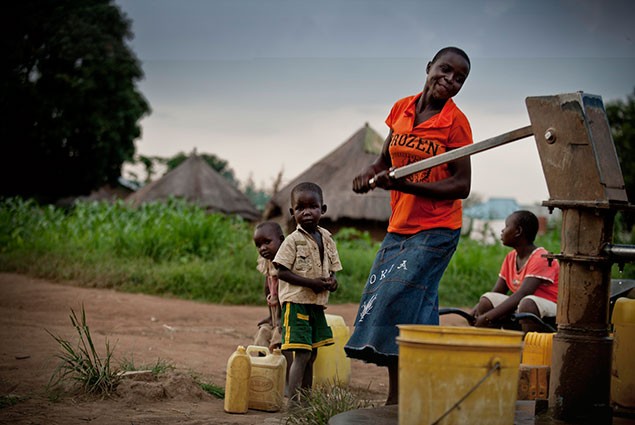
[367, 307]
[384, 273]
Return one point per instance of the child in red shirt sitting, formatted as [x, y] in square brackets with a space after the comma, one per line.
[531, 278]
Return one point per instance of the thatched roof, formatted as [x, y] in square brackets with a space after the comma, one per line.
[335, 173]
[108, 193]
[111, 193]
[197, 182]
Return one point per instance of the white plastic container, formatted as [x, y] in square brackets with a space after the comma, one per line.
[267, 379]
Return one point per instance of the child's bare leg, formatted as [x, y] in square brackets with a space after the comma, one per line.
[307, 380]
[393, 382]
[528, 306]
[288, 354]
[296, 373]
[484, 305]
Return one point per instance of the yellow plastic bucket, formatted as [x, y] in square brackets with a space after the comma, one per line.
[623, 364]
[457, 375]
[538, 348]
[331, 365]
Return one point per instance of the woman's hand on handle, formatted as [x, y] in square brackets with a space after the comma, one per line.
[361, 183]
[383, 179]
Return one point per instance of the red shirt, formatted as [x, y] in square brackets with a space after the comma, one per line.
[446, 130]
[536, 266]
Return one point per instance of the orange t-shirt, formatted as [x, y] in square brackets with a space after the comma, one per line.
[446, 130]
[536, 266]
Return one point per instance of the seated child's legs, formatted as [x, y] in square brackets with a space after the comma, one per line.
[541, 307]
[527, 305]
[488, 301]
[538, 306]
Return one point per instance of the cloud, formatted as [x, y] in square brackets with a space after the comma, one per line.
[279, 83]
[498, 8]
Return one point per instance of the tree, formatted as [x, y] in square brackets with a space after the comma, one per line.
[69, 103]
[149, 165]
[621, 117]
[258, 196]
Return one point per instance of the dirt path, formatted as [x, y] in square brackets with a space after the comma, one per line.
[195, 338]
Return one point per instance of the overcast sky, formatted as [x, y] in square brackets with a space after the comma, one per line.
[272, 85]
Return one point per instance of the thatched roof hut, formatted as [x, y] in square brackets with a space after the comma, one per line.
[197, 182]
[111, 193]
[335, 173]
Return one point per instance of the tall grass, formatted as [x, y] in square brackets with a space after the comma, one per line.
[178, 249]
[321, 403]
[174, 248]
[92, 372]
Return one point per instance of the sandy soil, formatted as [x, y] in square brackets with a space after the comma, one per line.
[195, 338]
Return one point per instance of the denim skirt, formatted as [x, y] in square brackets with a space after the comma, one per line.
[402, 288]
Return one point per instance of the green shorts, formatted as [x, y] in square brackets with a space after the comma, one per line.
[304, 327]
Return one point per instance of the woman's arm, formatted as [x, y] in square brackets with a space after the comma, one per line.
[457, 186]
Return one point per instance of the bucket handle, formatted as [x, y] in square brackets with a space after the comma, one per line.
[495, 365]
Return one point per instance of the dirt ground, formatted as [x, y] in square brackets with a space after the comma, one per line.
[195, 338]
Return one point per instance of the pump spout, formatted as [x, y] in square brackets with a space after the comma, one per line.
[620, 253]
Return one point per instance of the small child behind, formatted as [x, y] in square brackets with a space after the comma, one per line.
[306, 261]
[268, 237]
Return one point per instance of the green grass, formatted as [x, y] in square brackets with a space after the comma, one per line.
[157, 368]
[215, 390]
[319, 404]
[81, 364]
[10, 400]
[177, 249]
